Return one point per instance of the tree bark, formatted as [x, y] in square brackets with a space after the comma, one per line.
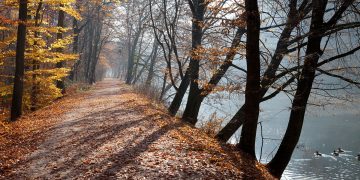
[97, 45]
[131, 57]
[90, 52]
[192, 107]
[61, 18]
[75, 49]
[293, 19]
[152, 64]
[35, 66]
[313, 53]
[232, 126]
[252, 97]
[16, 107]
[176, 102]
[214, 80]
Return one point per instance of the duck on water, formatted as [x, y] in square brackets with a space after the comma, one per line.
[317, 153]
[339, 150]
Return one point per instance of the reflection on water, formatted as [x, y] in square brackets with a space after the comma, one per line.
[323, 131]
[324, 134]
[304, 165]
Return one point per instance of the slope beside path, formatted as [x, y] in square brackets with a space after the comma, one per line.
[110, 132]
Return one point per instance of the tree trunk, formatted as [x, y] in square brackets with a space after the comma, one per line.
[252, 99]
[76, 36]
[213, 81]
[162, 93]
[268, 79]
[75, 49]
[152, 64]
[137, 57]
[90, 52]
[96, 51]
[313, 52]
[36, 66]
[130, 69]
[232, 126]
[193, 105]
[176, 102]
[16, 107]
[94, 60]
[61, 18]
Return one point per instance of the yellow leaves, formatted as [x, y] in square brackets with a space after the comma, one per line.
[60, 73]
[211, 89]
[35, 43]
[5, 90]
[59, 57]
[51, 74]
[10, 3]
[2, 28]
[61, 43]
[44, 85]
[71, 11]
[45, 56]
[6, 54]
[48, 29]
[66, 6]
[58, 2]
[40, 48]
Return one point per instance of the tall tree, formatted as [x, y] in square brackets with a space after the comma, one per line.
[313, 53]
[166, 35]
[134, 30]
[294, 17]
[16, 108]
[61, 24]
[198, 8]
[248, 133]
[34, 88]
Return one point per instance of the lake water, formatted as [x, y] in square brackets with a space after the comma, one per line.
[324, 134]
[324, 130]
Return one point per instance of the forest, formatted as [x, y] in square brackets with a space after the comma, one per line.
[213, 66]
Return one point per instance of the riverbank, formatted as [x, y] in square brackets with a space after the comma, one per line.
[112, 132]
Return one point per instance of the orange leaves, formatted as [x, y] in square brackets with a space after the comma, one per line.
[239, 22]
[5, 20]
[109, 131]
[213, 54]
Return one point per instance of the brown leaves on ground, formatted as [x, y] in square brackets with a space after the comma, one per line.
[110, 132]
[23, 136]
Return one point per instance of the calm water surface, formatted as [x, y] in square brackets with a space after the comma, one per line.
[323, 131]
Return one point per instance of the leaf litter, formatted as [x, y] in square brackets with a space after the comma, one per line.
[110, 132]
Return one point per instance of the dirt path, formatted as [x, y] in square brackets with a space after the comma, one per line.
[113, 133]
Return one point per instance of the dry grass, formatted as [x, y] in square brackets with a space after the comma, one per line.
[212, 126]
